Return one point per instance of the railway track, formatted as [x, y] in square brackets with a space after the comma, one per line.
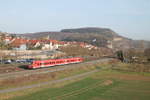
[49, 69]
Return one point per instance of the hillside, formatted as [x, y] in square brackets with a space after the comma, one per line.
[52, 35]
[103, 31]
[67, 32]
[101, 37]
[95, 36]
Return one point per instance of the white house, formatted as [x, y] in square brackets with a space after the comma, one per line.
[50, 46]
[21, 47]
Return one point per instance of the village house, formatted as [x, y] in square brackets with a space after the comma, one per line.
[7, 39]
[117, 39]
[19, 44]
[110, 44]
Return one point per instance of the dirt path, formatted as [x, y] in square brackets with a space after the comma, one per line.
[50, 69]
[48, 83]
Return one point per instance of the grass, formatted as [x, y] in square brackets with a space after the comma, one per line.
[129, 91]
[34, 79]
[62, 92]
[103, 85]
[132, 67]
[107, 84]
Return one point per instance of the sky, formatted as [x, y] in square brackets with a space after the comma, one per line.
[130, 18]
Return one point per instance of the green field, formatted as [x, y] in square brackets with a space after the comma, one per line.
[103, 85]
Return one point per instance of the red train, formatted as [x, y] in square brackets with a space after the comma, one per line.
[54, 62]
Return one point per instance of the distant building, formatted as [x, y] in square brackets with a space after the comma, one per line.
[19, 44]
[21, 47]
[109, 44]
[8, 39]
[37, 44]
[117, 39]
[50, 46]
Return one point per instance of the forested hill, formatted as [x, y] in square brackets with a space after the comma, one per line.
[104, 31]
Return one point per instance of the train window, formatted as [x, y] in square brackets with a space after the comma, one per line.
[72, 60]
[57, 61]
[53, 62]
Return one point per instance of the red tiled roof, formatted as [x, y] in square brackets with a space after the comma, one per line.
[17, 42]
[33, 41]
